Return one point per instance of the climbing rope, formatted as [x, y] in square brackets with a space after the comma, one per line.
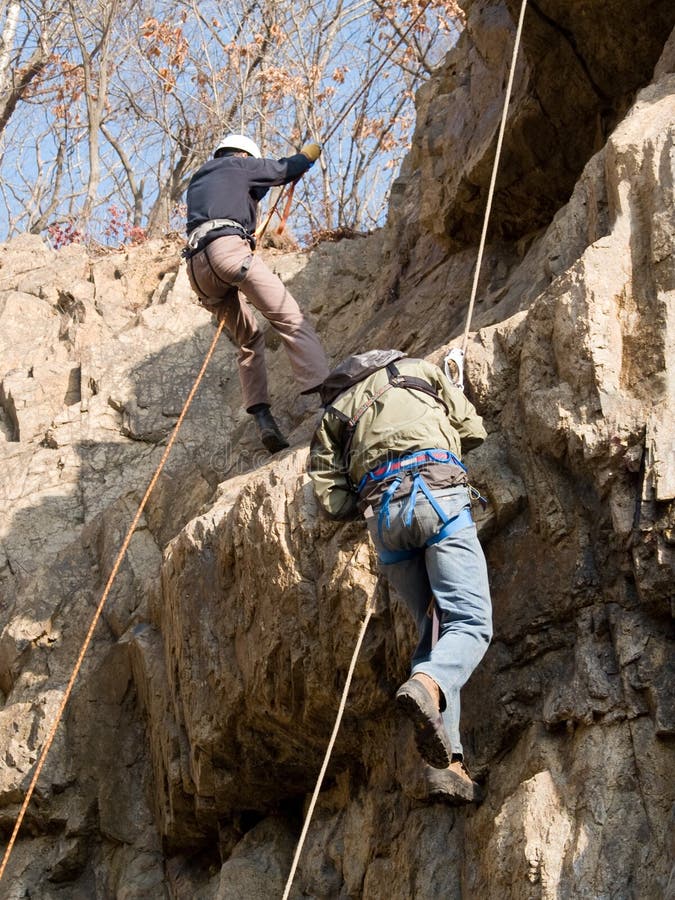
[493, 179]
[125, 545]
[104, 597]
[343, 700]
[287, 208]
[454, 360]
[259, 232]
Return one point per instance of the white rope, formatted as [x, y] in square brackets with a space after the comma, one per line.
[336, 728]
[481, 247]
[369, 610]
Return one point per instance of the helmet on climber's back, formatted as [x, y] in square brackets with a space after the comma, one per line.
[237, 142]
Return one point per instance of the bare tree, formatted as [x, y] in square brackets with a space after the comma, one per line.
[129, 98]
[30, 32]
[92, 25]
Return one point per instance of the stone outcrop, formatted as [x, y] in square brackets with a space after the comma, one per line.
[199, 721]
[577, 74]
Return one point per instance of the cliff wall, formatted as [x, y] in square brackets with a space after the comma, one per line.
[198, 724]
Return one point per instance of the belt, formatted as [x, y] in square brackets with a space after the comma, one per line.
[200, 231]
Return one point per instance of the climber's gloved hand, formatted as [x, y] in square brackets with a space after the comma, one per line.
[312, 151]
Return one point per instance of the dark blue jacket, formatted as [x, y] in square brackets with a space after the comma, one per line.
[231, 187]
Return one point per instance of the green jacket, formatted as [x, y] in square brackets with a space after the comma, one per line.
[401, 421]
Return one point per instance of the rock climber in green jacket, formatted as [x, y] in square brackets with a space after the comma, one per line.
[390, 445]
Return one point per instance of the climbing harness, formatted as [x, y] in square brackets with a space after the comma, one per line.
[452, 359]
[408, 464]
[202, 230]
[232, 294]
[412, 463]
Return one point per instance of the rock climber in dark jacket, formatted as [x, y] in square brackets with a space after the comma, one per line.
[390, 445]
[222, 206]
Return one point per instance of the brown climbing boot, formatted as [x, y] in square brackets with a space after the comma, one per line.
[419, 699]
[453, 784]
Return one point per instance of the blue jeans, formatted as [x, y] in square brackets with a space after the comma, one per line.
[454, 572]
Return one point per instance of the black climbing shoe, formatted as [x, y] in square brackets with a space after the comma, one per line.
[273, 440]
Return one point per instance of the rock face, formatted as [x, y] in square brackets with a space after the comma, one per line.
[198, 723]
[577, 73]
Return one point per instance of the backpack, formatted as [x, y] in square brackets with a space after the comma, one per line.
[356, 368]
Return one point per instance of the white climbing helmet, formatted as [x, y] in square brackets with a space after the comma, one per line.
[238, 142]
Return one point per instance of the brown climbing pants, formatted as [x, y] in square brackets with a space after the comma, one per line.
[217, 275]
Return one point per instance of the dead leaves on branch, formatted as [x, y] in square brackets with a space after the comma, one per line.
[167, 42]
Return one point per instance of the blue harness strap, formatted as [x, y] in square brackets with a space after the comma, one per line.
[411, 463]
[384, 515]
[462, 520]
[419, 484]
[388, 557]
[404, 464]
